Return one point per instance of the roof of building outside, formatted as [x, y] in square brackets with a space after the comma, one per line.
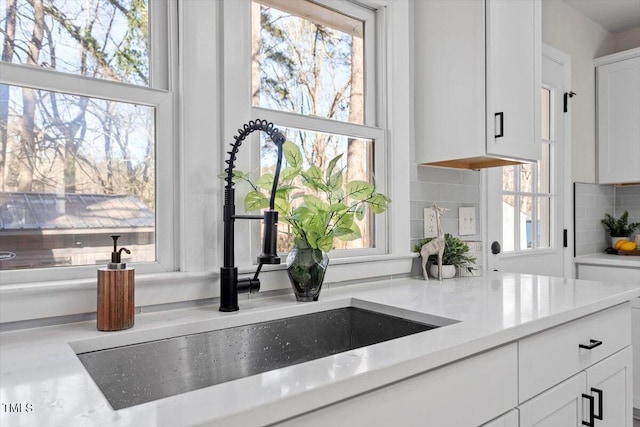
[49, 211]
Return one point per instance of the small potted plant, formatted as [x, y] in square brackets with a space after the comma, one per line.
[619, 229]
[455, 256]
[318, 206]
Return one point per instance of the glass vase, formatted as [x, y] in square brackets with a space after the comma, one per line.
[306, 268]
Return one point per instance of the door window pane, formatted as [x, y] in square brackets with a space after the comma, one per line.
[77, 170]
[308, 59]
[96, 38]
[526, 223]
[508, 222]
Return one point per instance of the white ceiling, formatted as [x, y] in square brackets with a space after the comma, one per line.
[614, 15]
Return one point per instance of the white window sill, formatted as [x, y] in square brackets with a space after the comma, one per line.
[29, 301]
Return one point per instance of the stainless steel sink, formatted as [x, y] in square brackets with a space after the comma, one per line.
[139, 373]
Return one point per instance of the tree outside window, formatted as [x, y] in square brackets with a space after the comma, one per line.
[75, 168]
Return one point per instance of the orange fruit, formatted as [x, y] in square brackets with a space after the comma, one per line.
[628, 246]
[619, 244]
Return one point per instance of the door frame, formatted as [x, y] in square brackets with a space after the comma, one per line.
[566, 180]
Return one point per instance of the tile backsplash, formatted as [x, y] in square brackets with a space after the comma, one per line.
[591, 202]
[449, 188]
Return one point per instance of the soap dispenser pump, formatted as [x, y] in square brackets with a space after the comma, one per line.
[116, 285]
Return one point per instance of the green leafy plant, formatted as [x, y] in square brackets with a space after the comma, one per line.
[455, 252]
[619, 227]
[324, 208]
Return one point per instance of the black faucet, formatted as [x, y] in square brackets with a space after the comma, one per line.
[230, 285]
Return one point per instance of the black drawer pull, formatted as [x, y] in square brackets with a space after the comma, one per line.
[591, 421]
[500, 116]
[592, 344]
[597, 391]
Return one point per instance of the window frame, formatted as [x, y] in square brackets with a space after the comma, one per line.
[535, 194]
[158, 95]
[373, 127]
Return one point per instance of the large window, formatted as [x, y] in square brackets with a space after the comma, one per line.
[527, 193]
[313, 75]
[80, 109]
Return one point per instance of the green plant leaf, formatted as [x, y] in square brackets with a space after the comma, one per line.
[359, 190]
[292, 154]
[288, 173]
[265, 181]
[325, 243]
[378, 203]
[337, 207]
[315, 203]
[360, 210]
[312, 239]
[354, 234]
[332, 165]
[281, 205]
[342, 231]
[336, 181]
[345, 220]
[255, 200]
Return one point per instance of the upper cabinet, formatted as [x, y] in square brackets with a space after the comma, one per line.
[618, 117]
[477, 82]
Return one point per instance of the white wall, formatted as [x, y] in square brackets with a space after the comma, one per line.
[626, 40]
[568, 30]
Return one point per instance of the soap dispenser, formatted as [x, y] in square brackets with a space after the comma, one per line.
[115, 292]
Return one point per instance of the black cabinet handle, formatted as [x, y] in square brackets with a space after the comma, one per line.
[592, 344]
[591, 421]
[500, 115]
[597, 391]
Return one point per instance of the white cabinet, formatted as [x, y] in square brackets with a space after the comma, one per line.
[590, 361]
[573, 373]
[465, 393]
[560, 406]
[635, 331]
[598, 396]
[618, 117]
[477, 82]
[610, 388]
[510, 419]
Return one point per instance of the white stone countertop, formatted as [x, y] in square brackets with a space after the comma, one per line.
[40, 370]
[627, 261]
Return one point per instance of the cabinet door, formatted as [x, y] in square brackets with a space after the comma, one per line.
[510, 419]
[609, 382]
[635, 330]
[513, 78]
[560, 406]
[619, 122]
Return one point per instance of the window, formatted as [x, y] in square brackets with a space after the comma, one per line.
[84, 125]
[313, 76]
[527, 193]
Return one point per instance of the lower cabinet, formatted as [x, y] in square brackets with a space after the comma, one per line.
[635, 330]
[572, 375]
[510, 419]
[466, 393]
[599, 396]
[560, 406]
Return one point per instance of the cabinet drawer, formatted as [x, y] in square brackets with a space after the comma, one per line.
[551, 356]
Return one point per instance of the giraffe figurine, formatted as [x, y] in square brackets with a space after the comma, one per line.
[435, 246]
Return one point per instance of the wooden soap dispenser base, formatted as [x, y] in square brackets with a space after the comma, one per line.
[116, 284]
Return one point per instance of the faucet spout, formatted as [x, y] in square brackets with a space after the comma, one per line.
[230, 285]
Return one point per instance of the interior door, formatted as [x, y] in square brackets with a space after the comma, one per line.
[525, 204]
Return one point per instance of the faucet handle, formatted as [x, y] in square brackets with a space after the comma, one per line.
[269, 253]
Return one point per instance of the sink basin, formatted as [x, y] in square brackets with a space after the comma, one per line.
[133, 374]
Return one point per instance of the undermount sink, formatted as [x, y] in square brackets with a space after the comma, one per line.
[138, 373]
